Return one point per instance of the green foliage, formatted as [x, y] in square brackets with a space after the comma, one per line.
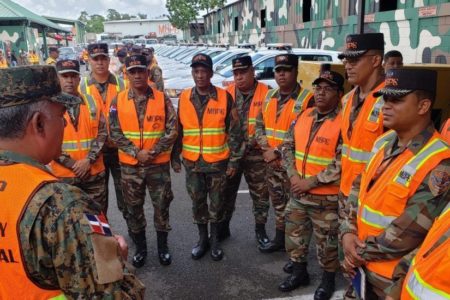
[184, 12]
[94, 23]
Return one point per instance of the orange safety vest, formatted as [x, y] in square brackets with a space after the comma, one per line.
[276, 128]
[207, 137]
[78, 143]
[368, 126]
[3, 63]
[255, 107]
[147, 136]
[19, 184]
[388, 196]
[445, 131]
[428, 276]
[311, 159]
[112, 92]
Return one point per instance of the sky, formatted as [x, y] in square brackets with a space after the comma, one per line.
[71, 9]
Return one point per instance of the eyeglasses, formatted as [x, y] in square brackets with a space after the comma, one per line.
[355, 60]
[326, 89]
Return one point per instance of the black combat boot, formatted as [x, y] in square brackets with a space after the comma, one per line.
[326, 287]
[203, 244]
[224, 230]
[288, 267]
[261, 235]
[216, 251]
[165, 258]
[277, 244]
[299, 277]
[141, 248]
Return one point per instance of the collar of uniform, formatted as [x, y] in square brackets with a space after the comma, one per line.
[417, 142]
[331, 115]
[149, 93]
[7, 157]
[111, 79]
[212, 92]
[293, 95]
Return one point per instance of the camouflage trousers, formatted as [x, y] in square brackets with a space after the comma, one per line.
[199, 186]
[135, 180]
[254, 169]
[94, 186]
[279, 189]
[377, 287]
[313, 214]
[111, 161]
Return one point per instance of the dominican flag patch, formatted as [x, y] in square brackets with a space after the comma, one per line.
[99, 224]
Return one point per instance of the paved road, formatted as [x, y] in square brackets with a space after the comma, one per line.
[244, 273]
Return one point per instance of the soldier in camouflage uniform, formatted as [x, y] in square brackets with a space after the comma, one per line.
[89, 171]
[155, 72]
[56, 249]
[410, 170]
[144, 155]
[248, 94]
[103, 86]
[281, 107]
[311, 156]
[211, 151]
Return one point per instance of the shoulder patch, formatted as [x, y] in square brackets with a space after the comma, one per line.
[98, 224]
[439, 181]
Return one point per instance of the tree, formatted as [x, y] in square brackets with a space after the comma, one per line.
[84, 16]
[95, 24]
[113, 15]
[142, 16]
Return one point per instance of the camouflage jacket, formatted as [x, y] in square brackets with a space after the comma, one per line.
[260, 134]
[59, 247]
[233, 129]
[407, 231]
[332, 173]
[127, 146]
[97, 143]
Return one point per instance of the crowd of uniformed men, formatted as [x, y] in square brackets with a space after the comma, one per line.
[365, 172]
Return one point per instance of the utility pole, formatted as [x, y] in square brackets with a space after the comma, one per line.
[361, 12]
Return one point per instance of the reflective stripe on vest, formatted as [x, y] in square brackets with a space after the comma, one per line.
[388, 196]
[376, 218]
[366, 128]
[147, 135]
[277, 127]
[255, 105]
[72, 146]
[207, 137]
[419, 289]
[314, 159]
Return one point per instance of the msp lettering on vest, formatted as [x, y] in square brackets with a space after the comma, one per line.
[216, 111]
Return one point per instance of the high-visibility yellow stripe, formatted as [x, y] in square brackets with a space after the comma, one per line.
[420, 289]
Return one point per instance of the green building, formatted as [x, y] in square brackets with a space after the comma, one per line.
[420, 29]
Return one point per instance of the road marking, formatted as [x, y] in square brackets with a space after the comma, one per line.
[243, 191]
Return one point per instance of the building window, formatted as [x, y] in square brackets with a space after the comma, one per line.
[386, 5]
[263, 18]
[352, 9]
[236, 23]
[218, 27]
[306, 11]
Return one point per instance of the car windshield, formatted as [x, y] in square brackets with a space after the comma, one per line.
[220, 56]
[66, 50]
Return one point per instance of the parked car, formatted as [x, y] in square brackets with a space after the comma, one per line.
[68, 53]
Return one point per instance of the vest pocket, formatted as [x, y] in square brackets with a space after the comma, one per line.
[395, 202]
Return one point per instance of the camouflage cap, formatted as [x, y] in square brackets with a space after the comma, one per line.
[98, 49]
[202, 59]
[358, 44]
[400, 82]
[136, 61]
[286, 61]
[331, 77]
[23, 85]
[122, 53]
[242, 62]
[68, 66]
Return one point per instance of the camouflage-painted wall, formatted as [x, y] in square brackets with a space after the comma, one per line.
[15, 37]
[420, 29]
